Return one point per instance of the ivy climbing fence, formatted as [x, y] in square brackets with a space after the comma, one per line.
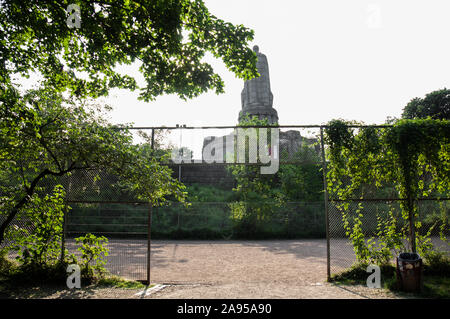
[373, 215]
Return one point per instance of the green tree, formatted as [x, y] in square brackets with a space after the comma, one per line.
[435, 105]
[44, 136]
[302, 181]
[257, 193]
[168, 37]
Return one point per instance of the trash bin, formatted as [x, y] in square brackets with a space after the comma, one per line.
[409, 272]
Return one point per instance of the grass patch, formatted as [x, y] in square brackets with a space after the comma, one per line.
[118, 282]
[436, 287]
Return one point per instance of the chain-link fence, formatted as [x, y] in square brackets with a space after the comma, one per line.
[251, 145]
[201, 220]
[126, 226]
[205, 160]
[21, 226]
[371, 226]
[374, 215]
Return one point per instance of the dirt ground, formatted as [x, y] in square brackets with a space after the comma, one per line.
[227, 262]
[223, 262]
[288, 269]
[229, 269]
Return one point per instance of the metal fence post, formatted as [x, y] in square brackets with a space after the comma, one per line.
[412, 226]
[149, 223]
[153, 139]
[149, 242]
[325, 188]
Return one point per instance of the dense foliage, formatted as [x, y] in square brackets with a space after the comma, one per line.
[93, 251]
[38, 238]
[410, 158]
[169, 39]
[302, 181]
[45, 136]
[261, 196]
[435, 105]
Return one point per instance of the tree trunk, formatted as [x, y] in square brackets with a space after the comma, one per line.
[26, 198]
[412, 226]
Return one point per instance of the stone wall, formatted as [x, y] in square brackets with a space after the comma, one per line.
[206, 174]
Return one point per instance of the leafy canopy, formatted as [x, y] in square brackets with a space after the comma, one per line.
[412, 155]
[169, 38]
[435, 105]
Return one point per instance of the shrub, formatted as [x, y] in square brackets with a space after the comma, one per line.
[93, 250]
[436, 263]
[6, 265]
[39, 244]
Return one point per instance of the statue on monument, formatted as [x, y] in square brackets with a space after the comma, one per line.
[257, 97]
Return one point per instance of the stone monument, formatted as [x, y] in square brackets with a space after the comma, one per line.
[257, 101]
[257, 97]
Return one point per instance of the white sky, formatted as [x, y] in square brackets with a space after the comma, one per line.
[353, 59]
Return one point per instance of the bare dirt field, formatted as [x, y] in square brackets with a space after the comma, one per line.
[221, 262]
[247, 269]
[225, 262]
[235, 269]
